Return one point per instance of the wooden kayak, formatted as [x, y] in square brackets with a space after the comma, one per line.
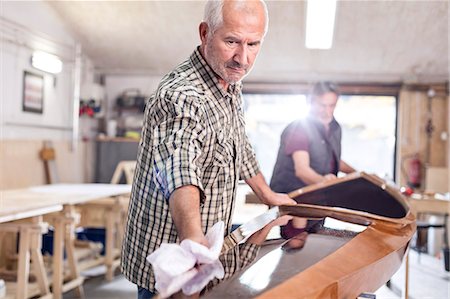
[332, 263]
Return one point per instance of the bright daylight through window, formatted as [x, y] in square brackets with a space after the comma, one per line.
[368, 128]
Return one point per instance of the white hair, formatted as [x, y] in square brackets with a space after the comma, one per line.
[213, 15]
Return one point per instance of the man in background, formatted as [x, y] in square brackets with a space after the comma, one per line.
[310, 150]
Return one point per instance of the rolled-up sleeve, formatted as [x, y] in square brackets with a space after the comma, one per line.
[249, 167]
[177, 146]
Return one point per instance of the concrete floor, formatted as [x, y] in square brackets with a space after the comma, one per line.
[427, 279]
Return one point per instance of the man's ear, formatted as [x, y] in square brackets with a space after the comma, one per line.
[203, 32]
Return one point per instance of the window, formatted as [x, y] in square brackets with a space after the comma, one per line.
[368, 128]
[368, 132]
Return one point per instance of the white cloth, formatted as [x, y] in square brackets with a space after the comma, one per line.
[188, 266]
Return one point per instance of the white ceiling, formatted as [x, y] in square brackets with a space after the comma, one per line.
[375, 41]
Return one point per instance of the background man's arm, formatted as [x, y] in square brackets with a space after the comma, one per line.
[304, 171]
[345, 168]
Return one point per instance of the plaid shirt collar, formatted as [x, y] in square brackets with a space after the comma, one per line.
[210, 77]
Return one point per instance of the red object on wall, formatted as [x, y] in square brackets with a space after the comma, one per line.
[413, 171]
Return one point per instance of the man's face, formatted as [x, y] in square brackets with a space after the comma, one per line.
[232, 49]
[322, 107]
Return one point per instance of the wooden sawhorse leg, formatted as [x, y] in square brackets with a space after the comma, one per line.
[406, 287]
[114, 236]
[30, 250]
[37, 260]
[63, 239]
[113, 212]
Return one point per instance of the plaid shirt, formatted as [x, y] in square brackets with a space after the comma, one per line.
[193, 134]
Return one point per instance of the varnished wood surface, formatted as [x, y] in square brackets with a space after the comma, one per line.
[368, 260]
[362, 264]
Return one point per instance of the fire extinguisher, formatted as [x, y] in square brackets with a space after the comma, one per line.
[413, 171]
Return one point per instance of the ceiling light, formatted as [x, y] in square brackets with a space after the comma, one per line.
[46, 62]
[320, 15]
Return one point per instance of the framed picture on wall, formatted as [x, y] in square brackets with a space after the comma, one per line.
[33, 92]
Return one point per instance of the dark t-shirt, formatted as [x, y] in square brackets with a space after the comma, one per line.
[324, 149]
[297, 140]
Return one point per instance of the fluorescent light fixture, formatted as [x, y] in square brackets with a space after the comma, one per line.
[320, 15]
[46, 62]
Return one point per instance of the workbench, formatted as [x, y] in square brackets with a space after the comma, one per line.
[23, 210]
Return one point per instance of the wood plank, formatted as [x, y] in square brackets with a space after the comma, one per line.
[412, 138]
[24, 263]
[21, 203]
[12, 289]
[17, 212]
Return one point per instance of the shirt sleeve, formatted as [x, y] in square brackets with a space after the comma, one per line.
[248, 253]
[249, 166]
[177, 144]
[295, 139]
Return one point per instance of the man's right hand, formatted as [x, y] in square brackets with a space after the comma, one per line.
[260, 236]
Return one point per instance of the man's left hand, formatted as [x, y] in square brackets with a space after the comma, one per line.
[277, 199]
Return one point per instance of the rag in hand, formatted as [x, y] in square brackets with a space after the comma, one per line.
[188, 266]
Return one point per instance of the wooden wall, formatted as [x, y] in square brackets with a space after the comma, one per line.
[22, 167]
[413, 114]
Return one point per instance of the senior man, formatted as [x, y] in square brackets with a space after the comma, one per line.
[194, 148]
